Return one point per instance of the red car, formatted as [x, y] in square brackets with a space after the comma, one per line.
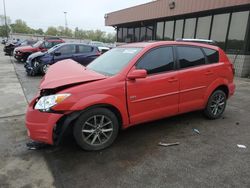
[129, 85]
[23, 52]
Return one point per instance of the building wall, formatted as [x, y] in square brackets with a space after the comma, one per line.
[160, 9]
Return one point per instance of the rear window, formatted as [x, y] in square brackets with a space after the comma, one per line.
[190, 56]
[84, 49]
[212, 55]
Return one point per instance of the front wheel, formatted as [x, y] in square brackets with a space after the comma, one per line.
[96, 129]
[44, 68]
[216, 104]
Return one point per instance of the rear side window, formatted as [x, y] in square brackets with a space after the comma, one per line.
[84, 49]
[212, 55]
[157, 61]
[190, 56]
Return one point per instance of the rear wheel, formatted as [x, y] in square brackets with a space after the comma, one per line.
[216, 104]
[96, 129]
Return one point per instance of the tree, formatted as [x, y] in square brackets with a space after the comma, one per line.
[39, 31]
[4, 31]
[52, 31]
[20, 26]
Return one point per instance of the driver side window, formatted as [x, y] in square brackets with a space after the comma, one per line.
[157, 60]
[47, 45]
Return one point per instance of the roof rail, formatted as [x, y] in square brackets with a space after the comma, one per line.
[212, 42]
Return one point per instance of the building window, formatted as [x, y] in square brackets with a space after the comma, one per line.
[130, 37]
[143, 34]
[119, 34]
[237, 31]
[169, 29]
[178, 29]
[124, 34]
[159, 30]
[203, 27]
[189, 28]
[219, 29]
[137, 34]
[149, 33]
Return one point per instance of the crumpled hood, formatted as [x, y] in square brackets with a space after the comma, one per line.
[26, 49]
[68, 72]
[36, 54]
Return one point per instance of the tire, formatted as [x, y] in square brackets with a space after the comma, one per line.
[44, 68]
[216, 105]
[96, 129]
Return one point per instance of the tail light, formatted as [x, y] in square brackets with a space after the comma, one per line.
[232, 67]
[98, 53]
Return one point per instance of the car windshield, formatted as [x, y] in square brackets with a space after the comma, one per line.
[113, 61]
[37, 44]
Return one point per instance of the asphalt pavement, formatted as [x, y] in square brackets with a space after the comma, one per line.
[210, 158]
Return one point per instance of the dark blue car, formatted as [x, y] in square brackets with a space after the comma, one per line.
[39, 62]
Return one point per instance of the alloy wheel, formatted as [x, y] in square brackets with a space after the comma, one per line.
[218, 104]
[97, 130]
[45, 68]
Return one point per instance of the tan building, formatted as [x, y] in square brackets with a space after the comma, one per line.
[225, 21]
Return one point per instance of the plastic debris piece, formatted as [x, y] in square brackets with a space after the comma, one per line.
[197, 131]
[35, 145]
[168, 144]
[241, 146]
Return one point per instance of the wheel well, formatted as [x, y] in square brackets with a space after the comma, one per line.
[223, 88]
[112, 109]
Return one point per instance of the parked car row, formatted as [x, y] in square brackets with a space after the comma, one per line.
[9, 47]
[22, 53]
[37, 56]
[39, 62]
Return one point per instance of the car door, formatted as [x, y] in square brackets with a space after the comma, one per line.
[64, 52]
[155, 96]
[84, 54]
[195, 76]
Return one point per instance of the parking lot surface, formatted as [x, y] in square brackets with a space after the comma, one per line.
[208, 159]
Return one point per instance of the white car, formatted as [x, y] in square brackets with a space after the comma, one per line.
[101, 46]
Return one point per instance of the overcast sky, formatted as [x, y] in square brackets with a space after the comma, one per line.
[85, 14]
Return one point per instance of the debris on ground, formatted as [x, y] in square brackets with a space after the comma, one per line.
[197, 131]
[168, 144]
[35, 145]
[237, 123]
[241, 146]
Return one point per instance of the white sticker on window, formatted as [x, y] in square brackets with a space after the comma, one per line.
[129, 51]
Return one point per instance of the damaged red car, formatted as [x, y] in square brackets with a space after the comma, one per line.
[126, 86]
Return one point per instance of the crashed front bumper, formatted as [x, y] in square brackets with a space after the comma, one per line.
[40, 125]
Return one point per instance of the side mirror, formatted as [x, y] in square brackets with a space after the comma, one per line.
[57, 53]
[135, 74]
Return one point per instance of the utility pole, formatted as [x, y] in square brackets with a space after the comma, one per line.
[5, 19]
[66, 24]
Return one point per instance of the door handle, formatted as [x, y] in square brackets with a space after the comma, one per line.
[172, 80]
[209, 72]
